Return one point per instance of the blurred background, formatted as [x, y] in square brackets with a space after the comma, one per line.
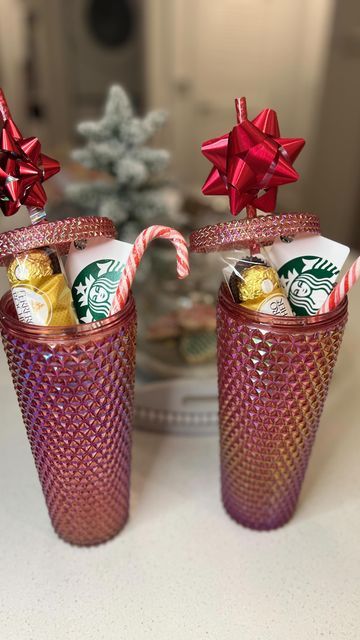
[192, 58]
[300, 57]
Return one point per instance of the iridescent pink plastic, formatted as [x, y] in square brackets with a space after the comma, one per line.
[244, 232]
[274, 374]
[57, 234]
[75, 388]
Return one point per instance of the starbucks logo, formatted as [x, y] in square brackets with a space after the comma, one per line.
[94, 289]
[308, 282]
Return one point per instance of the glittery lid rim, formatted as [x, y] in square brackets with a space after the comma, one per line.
[244, 233]
[58, 234]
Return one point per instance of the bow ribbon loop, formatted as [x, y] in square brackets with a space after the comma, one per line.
[23, 168]
[251, 162]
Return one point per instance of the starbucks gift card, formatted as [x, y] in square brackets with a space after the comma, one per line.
[308, 268]
[94, 268]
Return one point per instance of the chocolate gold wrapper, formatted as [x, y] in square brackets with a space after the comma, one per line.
[255, 284]
[39, 289]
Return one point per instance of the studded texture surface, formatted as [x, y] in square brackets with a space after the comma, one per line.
[272, 386]
[76, 398]
[246, 231]
[58, 234]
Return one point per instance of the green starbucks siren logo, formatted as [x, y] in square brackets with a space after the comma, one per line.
[308, 281]
[94, 289]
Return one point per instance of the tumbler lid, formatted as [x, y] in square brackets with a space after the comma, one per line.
[59, 234]
[246, 232]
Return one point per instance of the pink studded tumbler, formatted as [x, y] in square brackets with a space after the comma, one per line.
[274, 373]
[75, 387]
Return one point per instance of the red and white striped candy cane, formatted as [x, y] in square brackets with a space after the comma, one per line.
[140, 245]
[342, 288]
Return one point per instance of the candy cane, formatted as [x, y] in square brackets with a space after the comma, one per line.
[342, 288]
[140, 245]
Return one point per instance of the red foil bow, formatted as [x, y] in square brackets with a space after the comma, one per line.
[23, 168]
[251, 162]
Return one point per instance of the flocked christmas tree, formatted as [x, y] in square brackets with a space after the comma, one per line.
[131, 191]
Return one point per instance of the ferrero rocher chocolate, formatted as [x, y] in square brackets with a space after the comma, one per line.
[39, 289]
[30, 266]
[256, 285]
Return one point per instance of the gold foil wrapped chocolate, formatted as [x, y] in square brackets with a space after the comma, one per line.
[30, 266]
[255, 284]
[39, 289]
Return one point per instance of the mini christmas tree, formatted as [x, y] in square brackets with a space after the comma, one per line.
[131, 191]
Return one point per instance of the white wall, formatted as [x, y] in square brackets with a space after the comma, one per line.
[12, 55]
[201, 54]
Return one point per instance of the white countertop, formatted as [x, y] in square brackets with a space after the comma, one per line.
[181, 569]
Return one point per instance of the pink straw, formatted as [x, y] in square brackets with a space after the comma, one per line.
[140, 245]
[342, 288]
[4, 109]
[241, 110]
[241, 115]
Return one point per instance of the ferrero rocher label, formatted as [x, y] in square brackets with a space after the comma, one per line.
[39, 289]
[256, 285]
